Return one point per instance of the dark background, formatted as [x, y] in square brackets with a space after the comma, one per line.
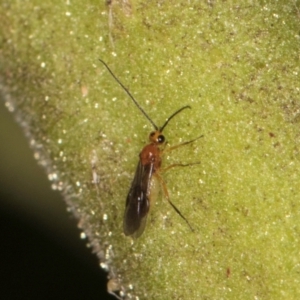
[41, 253]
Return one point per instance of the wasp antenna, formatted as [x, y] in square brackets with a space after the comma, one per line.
[128, 93]
[172, 116]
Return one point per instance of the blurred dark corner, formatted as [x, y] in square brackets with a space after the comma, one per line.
[41, 253]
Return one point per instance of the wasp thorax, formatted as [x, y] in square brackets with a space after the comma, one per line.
[156, 137]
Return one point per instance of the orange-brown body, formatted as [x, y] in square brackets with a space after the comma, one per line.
[138, 199]
[151, 155]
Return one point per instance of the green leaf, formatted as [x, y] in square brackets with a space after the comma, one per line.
[237, 65]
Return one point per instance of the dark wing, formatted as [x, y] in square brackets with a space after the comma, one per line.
[137, 202]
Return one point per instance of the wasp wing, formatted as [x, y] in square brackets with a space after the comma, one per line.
[137, 202]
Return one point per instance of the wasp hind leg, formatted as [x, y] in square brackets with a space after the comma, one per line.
[166, 193]
[163, 184]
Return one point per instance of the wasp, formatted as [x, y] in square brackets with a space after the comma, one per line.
[147, 173]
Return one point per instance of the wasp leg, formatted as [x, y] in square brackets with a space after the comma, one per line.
[178, 165]
[164, 186]
[180, 145]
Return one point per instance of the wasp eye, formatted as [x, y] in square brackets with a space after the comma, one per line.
[160, 139]
[152, 133]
